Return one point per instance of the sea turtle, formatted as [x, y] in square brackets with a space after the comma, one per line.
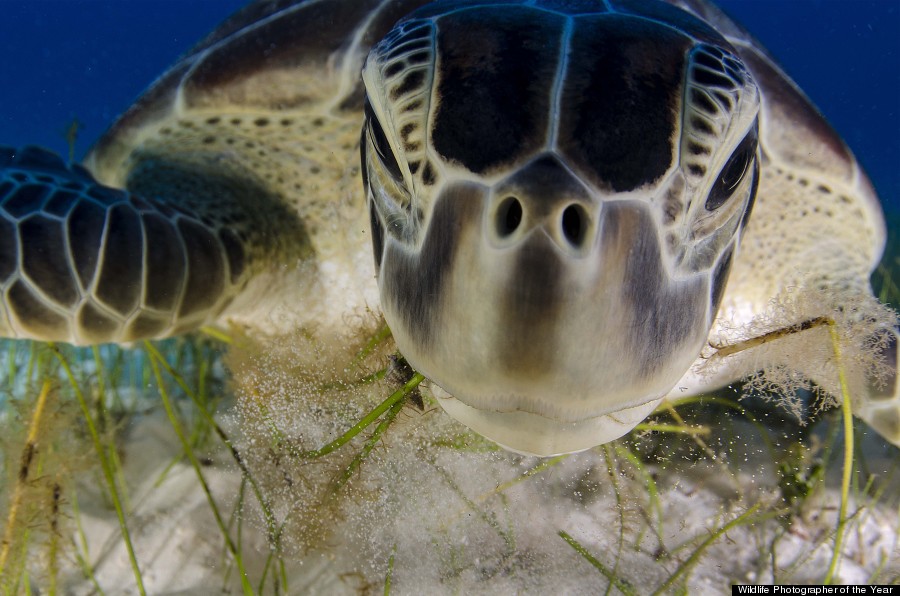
[552, 198]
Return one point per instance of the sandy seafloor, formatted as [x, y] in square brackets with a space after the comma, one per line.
[436, 509]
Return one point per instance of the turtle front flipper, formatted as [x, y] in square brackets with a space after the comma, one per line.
[824, 343]
[869, 366]
[84, 263]
[880, 405]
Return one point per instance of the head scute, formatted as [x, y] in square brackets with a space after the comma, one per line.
[714, 185]
[721, 101]
[398, 77]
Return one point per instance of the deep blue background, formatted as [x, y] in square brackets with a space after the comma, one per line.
[88, 59]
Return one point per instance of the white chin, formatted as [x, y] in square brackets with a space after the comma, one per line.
[533, 434]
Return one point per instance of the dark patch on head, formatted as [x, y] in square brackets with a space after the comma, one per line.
[28, 199]
[121, 273]
[407, 130]
[712, 79]
[543, 184]
[94, 325]
[701, 100]
[705, 59]
[734, 70]
[719, 280]
[410, 83]
[673, 206]
[400, 50]
[86, 224]
[725, 99]
[497, 69]
[428, 175]
[165, 262]
[664, 313]
[418, 58]
[43, 259]
[33, 315]
[695, 148]
[696, 169]
[206, 269]
[412, 106]
[621, 99]
[702, 125]
[9, 251]
[394, 69]
[531, 307]
[414, 282]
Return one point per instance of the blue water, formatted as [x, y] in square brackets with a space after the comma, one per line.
[88, 59]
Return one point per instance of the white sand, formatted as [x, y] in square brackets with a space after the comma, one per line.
[434, 509]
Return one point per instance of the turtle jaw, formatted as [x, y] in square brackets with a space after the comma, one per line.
[534, 434]
[544, 349]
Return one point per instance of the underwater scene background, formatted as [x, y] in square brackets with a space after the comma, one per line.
[89, 59]
[692, 502]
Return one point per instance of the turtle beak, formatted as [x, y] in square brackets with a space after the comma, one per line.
[546, 313]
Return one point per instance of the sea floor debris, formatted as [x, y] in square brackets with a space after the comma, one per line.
[697, 498]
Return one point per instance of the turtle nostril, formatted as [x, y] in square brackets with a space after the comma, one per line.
[575, 224]
[509, 216]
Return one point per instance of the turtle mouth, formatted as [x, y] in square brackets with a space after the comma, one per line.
[531, 433]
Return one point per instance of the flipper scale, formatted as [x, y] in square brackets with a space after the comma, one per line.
[84, 263]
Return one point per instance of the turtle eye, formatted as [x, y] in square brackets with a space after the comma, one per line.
[733, 173]
[381, 144]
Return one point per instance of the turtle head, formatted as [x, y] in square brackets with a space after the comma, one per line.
[555, 201]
